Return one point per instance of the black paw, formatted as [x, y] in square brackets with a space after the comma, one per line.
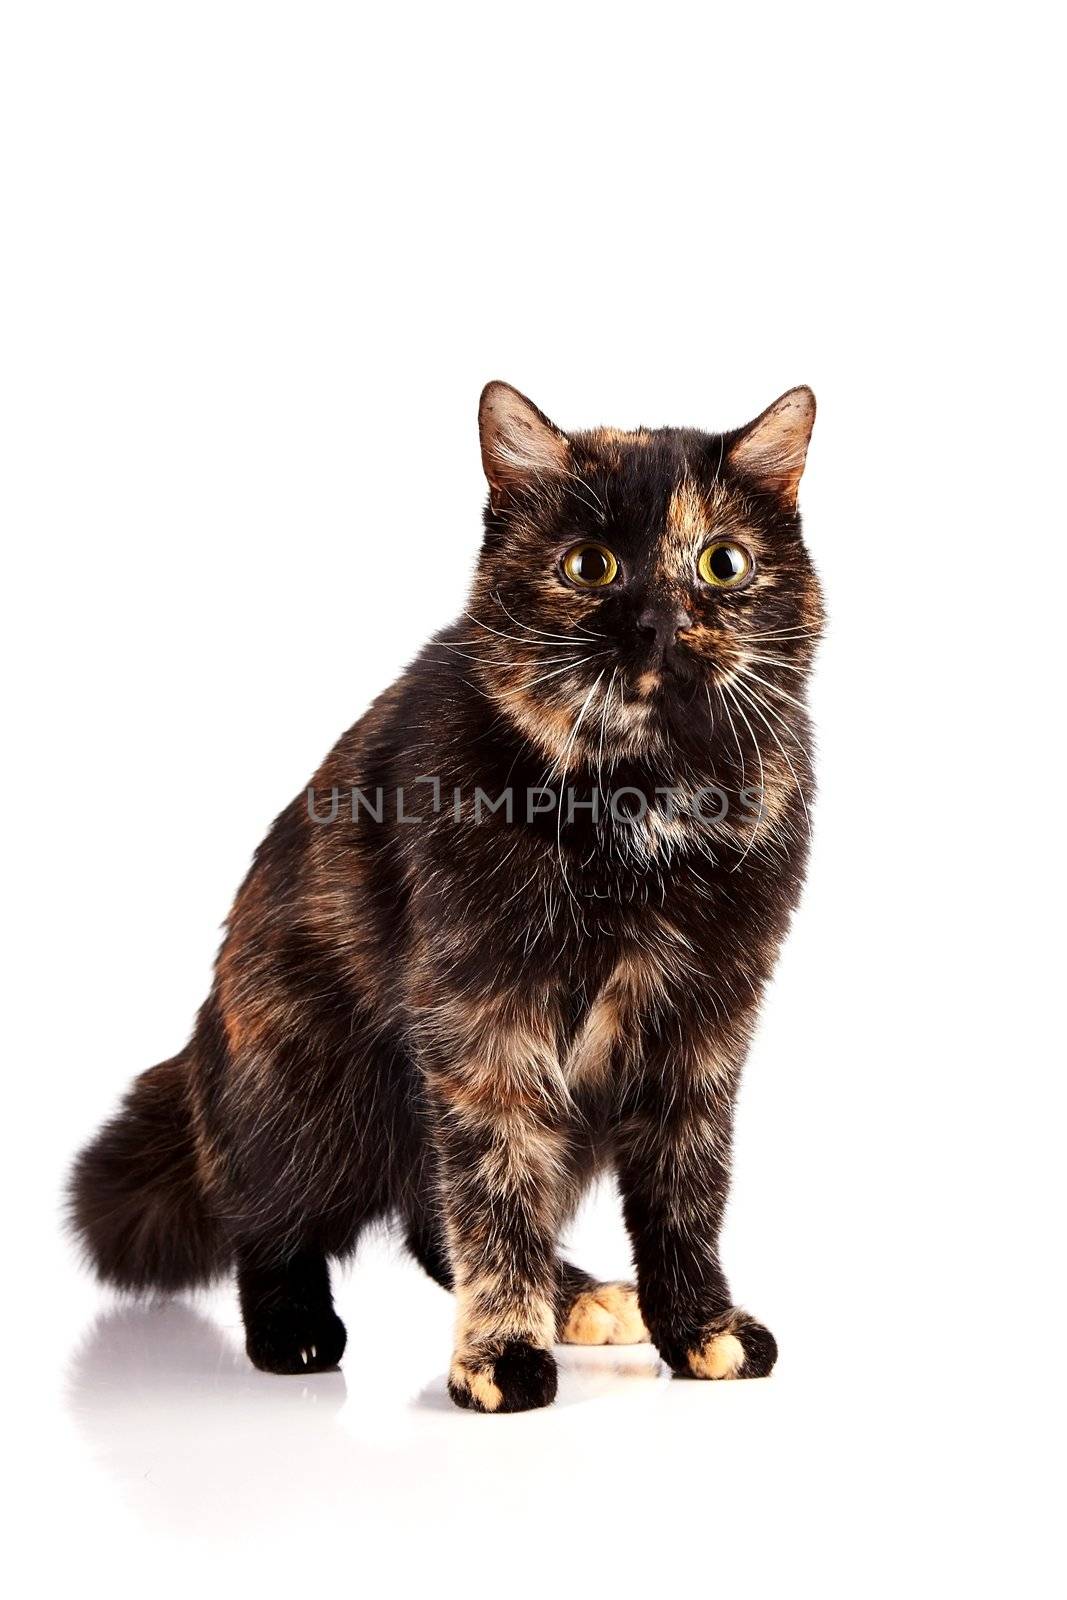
[761, 1349]
[521, 1378]
[735, 1345]
[295, 1339]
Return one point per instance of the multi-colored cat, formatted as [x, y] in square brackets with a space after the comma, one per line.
[515, 932]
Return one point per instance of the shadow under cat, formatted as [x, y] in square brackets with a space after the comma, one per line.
[172, 1409]
[200, 1441]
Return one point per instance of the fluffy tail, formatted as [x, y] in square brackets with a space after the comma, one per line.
[136, 1201]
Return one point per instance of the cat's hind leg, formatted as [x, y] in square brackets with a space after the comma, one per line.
[424, 1238]
[290, 1323]
[589, 1312]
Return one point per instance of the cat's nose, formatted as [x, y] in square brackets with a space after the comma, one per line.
[664, 623]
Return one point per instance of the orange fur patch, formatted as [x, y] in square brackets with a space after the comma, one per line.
[607, 1314]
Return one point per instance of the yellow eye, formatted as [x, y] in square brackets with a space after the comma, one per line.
[590, 566]
[725, 565]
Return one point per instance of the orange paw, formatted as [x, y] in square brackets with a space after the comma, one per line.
[605, 1314]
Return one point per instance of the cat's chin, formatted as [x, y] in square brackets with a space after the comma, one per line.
[667, 704]
[676, 677]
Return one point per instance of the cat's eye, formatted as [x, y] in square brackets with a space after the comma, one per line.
[590, 566]
[725, 565]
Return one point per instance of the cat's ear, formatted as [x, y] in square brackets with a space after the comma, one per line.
[519, 444]
[772, 450]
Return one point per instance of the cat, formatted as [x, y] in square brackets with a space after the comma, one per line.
[515, 933]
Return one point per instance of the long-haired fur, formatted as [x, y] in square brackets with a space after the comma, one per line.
[439, 1006]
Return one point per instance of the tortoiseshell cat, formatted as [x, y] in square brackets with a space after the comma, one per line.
[441, 1004]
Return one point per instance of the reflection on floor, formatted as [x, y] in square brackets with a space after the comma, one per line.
[197, 1438]
[202, 1476]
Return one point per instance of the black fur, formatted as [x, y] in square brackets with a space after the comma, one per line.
[454, 1021]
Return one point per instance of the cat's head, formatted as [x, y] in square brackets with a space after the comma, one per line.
[642, 591]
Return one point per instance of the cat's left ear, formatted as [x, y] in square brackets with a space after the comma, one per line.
[519, 443]
[773, 449]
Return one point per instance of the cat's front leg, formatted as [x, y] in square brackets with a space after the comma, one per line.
[674, 1161]
[502, 1128]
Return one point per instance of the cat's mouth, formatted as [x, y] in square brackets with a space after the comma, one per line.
[673, 676]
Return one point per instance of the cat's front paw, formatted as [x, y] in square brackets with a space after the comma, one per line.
[295, 1339]
[521, 1378]
[734, 1345]
[607, 1313]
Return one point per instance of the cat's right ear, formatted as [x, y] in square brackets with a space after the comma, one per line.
[774, 448]
[519, 444]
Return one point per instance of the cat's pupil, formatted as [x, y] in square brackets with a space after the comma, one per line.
[592, 565]
[726, 563]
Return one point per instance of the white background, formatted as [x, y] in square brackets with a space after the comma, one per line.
[258, 262]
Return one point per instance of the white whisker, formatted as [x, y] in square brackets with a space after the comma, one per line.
[515, 638]
[782, 633]
[493, 661]
[733, 730]
[563, 773]
[570, 666]
[558, 637]
[762, 781]
[747, 694]
[599, 509]
[603, 726]
[786, 666]
[774, 689]
[801, 746]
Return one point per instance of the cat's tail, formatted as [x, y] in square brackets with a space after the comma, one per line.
[136, 1200]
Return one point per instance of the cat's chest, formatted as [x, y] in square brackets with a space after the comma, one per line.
[637, 977]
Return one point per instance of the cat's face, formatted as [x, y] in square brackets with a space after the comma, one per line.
[641, 592]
